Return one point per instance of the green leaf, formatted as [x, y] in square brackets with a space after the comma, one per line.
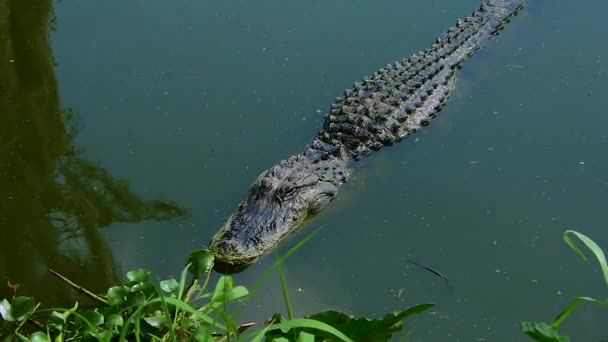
[225, 292]
[18, 309]
[140, 275]
[236, 293]
[593, 247]
[136, 298]
[568, 310]
[40, 337]
[542, 332]
[201, 262]
[203, 335]
[364, 329]
[148, 289]
[169, 285]
[281, 339]
[303, 323]
[156, 321]
[21, 337]
[114, 321]
[223, 285]
[117, 295]
[188, 308]
[94, 318]
[56, 321]
[360, 329]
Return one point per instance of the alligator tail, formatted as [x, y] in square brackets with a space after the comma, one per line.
[404, 96]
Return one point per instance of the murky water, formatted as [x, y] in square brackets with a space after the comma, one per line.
[180, 105]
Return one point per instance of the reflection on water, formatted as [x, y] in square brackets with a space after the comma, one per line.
[53, 201]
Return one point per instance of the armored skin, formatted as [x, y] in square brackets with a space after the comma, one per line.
[382, 109]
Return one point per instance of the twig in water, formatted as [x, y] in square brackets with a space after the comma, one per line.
[78, 287]
[437, 273]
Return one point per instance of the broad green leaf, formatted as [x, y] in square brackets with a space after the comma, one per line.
[114, 321]
[281, 339]
[360, 329]
[40, 337]
[593, 247]
[140, 275]
[236, 293]
[136, 298]
[148, 289]
[542, 332]
[5, 311]
[223, 285]
[225, 292]
[94, 318]
[117, 295]
[104, 335]
[169, 285]
[364, 329]
[18, 309]
[156, 321]
[201, 262]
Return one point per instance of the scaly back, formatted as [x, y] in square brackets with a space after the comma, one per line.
[404, 96]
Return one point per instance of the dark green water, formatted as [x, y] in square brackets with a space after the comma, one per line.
[188, 101]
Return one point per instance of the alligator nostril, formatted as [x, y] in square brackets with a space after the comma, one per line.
[224, 247]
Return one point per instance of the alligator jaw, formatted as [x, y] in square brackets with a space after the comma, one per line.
[277, 203]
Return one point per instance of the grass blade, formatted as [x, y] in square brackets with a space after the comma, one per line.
[573, 304]
[280, 260]
[302, 323]
[593, 247]
[161, 296]
[187, 308]
[285, 292]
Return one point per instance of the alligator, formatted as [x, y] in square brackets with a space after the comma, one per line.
[382, 109]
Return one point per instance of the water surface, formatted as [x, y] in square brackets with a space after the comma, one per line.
[188, 101]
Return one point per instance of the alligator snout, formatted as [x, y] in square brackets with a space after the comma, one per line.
[224, 247]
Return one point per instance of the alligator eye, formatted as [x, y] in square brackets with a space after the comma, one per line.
[319, 202]
[288, 191]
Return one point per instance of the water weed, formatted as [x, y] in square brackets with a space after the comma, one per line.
[547, 332]
[187, 310]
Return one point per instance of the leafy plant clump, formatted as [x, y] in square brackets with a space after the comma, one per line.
[547, 332]
[185, 310]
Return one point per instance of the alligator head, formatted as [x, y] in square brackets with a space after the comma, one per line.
[277, 203]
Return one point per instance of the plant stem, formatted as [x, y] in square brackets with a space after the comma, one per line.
[78, 287]
[285, 292]
[25, 320]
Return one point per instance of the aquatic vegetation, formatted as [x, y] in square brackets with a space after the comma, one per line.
[186, 310]
[547, 332]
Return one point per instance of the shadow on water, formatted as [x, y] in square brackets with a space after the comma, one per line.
[53, 201]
